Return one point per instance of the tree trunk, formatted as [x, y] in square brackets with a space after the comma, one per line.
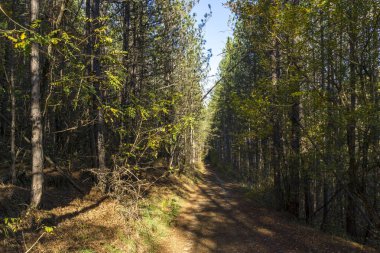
[13, 119]
[94, 70]
[351, 134]
[126, 47]
[89, 63]
[293, 205]
[329, 124]
[97, 69]
[11, 80]
[37, 149]
[276, 133]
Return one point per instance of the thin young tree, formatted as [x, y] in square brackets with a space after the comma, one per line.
[36, 120]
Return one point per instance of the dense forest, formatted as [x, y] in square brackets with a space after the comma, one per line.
[103, 110]
[99, 84]
[111, 87]
[296, 111]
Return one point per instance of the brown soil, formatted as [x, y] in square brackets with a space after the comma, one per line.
[216, 218]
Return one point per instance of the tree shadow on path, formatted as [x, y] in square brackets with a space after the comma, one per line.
[218, 218]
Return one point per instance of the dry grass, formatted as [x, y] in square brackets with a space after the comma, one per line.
[91, 224]
[94, 223]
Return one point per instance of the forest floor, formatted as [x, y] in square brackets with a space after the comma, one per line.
[87, 222]
[204, 215]
[216, 217]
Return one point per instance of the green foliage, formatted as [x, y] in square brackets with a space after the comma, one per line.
[131, 73]
[9, 226]
[294, 112]
[49, 229]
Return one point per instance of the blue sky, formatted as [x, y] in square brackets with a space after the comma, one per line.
[216, 32]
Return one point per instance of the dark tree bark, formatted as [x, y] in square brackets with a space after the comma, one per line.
[329, 124]
[99, 94]
[94, 71]
[351, 130]
[11, 81]
[276, 132]
[13, 116]
[126, 47]
[295, 166]
[89, 62]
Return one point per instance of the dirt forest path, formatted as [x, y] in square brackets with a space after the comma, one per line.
[216, 218]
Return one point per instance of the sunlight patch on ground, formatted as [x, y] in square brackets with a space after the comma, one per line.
[265, 231]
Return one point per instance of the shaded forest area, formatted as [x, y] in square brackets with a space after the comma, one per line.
[296, 111]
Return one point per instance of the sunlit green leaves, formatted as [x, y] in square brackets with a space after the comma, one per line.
[36, 24]
[49, 229]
